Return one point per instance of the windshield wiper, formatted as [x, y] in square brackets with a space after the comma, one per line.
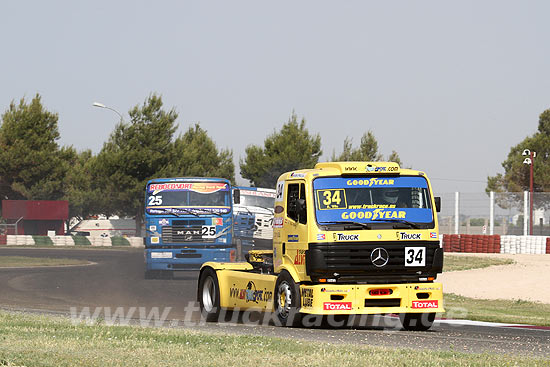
[362, 225]
[403, 221]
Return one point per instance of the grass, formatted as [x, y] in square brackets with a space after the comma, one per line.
[32, 340]
[504, 311]
[24, 261]
[457, 263]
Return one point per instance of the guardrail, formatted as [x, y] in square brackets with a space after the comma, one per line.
[29, 240]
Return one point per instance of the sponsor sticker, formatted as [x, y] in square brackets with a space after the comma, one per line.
[425, 304]
[300, 258]
[374, 214]
[297, 174]
[307, 297]
[251, 293]
[368, 182]
[292, 238]
[346, 237]
[258, 193]
[164, 222]
[155, 240]
[202, 187]
[409, 236]
[337, 306]
[152, 228]
[278, 222]
[321, 236]
[334, 290]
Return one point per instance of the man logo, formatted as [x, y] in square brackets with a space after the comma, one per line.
[379, 257]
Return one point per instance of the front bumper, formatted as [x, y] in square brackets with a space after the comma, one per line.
[342, 299]
[182, 259]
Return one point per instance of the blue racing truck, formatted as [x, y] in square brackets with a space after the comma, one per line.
[189, 221]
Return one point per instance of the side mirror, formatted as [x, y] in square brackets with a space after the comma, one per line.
[236, 196]
[437, 203]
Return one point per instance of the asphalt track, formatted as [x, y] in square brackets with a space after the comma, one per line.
[113, 289]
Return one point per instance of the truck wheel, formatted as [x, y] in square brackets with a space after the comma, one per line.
[287, 300]
[417, 321]
[209, 295]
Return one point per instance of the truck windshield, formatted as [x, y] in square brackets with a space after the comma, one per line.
[258, 198]
[372, 200]
[188, 198]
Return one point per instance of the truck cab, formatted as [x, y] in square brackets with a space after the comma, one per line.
[188, 221]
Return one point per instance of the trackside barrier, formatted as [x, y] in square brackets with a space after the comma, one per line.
[28, 240]
[496, 244]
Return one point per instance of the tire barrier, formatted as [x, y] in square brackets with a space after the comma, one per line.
[496, 244]
[471, 243]
[28, 240]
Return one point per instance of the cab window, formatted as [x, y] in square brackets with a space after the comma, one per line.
[296, 192]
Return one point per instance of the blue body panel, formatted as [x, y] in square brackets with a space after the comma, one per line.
[183, 229]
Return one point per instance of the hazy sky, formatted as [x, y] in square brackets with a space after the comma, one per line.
[450, 86]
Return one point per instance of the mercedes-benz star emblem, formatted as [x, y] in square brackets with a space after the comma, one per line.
[379, 257]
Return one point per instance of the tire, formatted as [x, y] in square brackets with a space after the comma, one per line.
[208, 295]
[287, 300]
[417, 321]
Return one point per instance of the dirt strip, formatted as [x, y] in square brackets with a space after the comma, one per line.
[527, 279]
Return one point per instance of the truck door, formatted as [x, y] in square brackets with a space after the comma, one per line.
[295, 236]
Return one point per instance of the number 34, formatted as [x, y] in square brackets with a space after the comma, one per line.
[415, 256]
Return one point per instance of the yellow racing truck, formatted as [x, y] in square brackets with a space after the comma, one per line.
[349, 238]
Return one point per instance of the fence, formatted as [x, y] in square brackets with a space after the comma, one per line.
[494, 213]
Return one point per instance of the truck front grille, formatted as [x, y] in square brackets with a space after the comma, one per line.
[182, 234]
[352, 261]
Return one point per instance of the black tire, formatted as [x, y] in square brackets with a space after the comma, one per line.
[287, 301]
[208, 295]
[417, 321]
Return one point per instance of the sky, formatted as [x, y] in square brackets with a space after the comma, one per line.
[450, 86]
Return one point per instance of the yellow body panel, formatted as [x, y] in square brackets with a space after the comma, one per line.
[246, 290]
[336, 299]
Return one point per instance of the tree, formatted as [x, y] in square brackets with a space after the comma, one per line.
[289, 149]
[516, 174]
[33, 166]
[366, 152]
[135, 152]
[196, 154]
[83, 199]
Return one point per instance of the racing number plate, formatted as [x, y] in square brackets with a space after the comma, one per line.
[208, 231]
[415, 256]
